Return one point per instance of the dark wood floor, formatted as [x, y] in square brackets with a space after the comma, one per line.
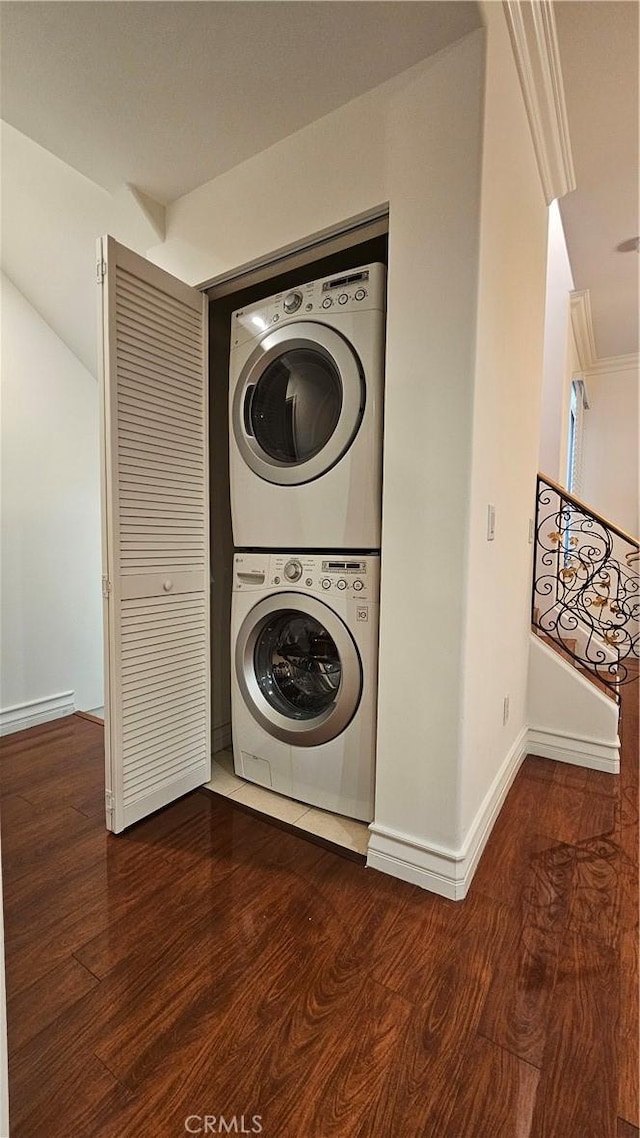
[207, 963]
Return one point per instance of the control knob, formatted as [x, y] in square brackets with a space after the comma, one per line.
[326, 583]
[358, 585]
[342, 584]
[292, 301]
[293, 570]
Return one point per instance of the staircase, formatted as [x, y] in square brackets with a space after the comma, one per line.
[585, 600]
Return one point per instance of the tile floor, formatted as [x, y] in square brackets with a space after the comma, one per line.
[344, 832]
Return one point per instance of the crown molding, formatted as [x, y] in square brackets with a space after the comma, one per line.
[534, 41]
[589, 363]
[608, 364]
[582, 327]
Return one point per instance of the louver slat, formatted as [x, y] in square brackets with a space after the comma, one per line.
[149, 387]
[142, 411]
[158, 737]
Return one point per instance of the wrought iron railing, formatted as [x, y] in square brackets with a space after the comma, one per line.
[586, 595]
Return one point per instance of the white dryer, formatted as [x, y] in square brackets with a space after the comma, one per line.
[304, 644]
[305, 402]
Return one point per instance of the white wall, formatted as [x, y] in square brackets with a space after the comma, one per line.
[416, 143]
[434, 148]
[570, 720]
[51, 217]
[610, 472]
[50, 594]
[333, 169]
[558, 353]
[506, 426]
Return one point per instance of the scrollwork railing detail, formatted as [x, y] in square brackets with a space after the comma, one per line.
[586, 593]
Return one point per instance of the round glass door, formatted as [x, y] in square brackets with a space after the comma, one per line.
[294, 408]
[298, 669]
[298, 403]
[297, 665]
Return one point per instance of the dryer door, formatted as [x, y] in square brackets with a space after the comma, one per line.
[298, 403]
[298, 669]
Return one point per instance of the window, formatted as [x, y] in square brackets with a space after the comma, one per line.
[579, 403]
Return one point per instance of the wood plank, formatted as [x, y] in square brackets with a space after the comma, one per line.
[238, 968]
[40, 1004]
[516, 1011]
[628, 1098]
[349, 1087]
[577, 1094]
[448, 1005]
[496, 1094]
[33, 836]
[86, 1094]
[626, 1130]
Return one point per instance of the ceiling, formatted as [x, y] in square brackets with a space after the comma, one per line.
[599, 52]
[166, 96]
[169, 95]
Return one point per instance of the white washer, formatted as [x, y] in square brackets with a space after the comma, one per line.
[305, 404]
[304, 646]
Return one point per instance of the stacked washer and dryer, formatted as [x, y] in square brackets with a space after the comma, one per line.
[305, 450]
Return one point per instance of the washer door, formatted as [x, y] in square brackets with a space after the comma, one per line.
[298, 669]
[298, 403]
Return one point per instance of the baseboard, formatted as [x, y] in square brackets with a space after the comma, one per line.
[596, 754]
[23, 715]
[221, 738]
[437, 868]
[484, 821]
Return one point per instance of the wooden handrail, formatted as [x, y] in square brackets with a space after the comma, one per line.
[588, 510]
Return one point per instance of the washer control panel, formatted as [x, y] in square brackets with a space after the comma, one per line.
[351, 291]
[344, 576]
[339, 576]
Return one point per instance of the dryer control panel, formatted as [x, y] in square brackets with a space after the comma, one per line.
[353, 291]
[336, 575]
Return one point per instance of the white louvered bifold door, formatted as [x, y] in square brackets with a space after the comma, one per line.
[156, 536]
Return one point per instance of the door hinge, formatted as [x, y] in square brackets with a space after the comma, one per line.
[106, 586]
[101, 270]
[108, 801]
